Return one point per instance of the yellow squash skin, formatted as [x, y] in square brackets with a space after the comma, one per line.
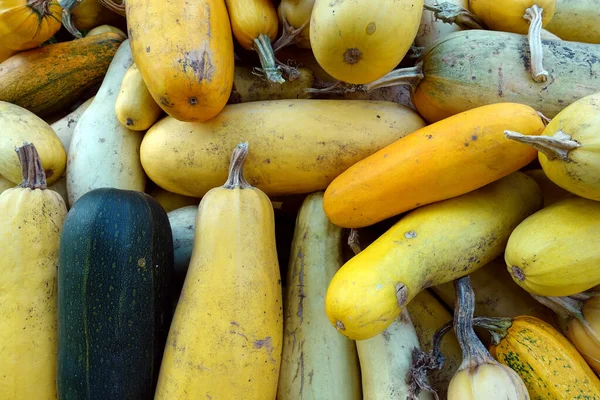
[29, 237]
[6, 53]
[576, 21]
[247, 86]
[18, 125]
[434, 244]
[487, 381]
[546, 361]
[507, 15]
[106, 28]
[135, 107]
[184, 51]
[297, 13]
[308, 336]
[556, 251]
[5, 184]
[172, 201]
[25, 24]
[226, 336]
[550, 190]
[251, 18]
[299, 146]
[90, 14]
[356, 41]
[586, 342]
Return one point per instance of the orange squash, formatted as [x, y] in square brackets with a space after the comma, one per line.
[6, 53]
[25, 24]
[184, 50]
[443, 160]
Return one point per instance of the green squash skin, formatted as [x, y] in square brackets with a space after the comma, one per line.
[114, 301]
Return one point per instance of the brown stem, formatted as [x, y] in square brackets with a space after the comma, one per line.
[354, 241]
[290, 72]
[32, 171]
[553, 147]
[452, 14]
[534, 15]
[289, 34]
[403, 76]
[113, 6]
[262, 45]
[236, 168]
[497, 327]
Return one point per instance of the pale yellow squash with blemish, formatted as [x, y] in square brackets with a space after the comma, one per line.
[358, 41]
[135, 107]
[576, 21]
[507, 15]
[226, 336]
[5, 184]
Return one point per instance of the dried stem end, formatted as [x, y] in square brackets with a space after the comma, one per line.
[68, 6]
[450, 13]
[32, 171]
[236, 168]
[262, 45]
[553, 147]
[289, 34]
[534, 15]
[354, 241]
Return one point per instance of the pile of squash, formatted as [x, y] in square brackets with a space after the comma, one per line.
[299, 199]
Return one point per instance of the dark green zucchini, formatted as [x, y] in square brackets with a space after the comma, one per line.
[114, 302]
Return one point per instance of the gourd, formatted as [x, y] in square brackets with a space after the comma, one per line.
[103, 153]
[305, 372]
[230, 348]
[437, 162]
[294, 16]
[552, 253]
[135, 107]
[25, 24]
[183, 227]
[114, 301]
[429, 246]
[576, 21]
[65, 126]
[51, 78]
[255, 25]
[186, 59]
[300, 146]
[247, 86]
[569, 147]
[356, 42]
[32, 217]
[551, 192]
[172, 201]
[18, 126]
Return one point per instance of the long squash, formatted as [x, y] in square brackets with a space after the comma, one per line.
[437, 162]
[183, 228]
[32, 219]
[576, 20]
[507, 16]
[434, 244]
[184, 51]
[25, 24]
[135, 107]
[230, 348]
[19, 126]
[103, 153]
[357, 42]
[65, 127]
[556, 251]
[114, 305]
[299, 146]
[51, 78]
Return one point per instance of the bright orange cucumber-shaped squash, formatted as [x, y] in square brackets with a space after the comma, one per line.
[255, 24]
[25, 24]
[360, 41]
[443, 160]
[184, 50]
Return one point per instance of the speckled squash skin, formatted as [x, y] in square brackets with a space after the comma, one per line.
[114, 306]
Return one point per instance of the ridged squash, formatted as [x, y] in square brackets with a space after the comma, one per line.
[25, 24]
[65, 126]
[32, 219]
[576, 21]
[556, 251]
[297, 13]
[357, 42]
[299, 146]
[507, 15]
[434, 244]
[230, 348]
[184, 51]
[551, 192]
[19, 126]
[135, 107]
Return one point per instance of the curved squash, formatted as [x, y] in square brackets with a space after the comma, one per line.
[65, 126]
[51, 78]
[305, 373]
[297, 15]
[432, 29]
[135, 107]
[299, 146]
[233, 342]
[114, 304]
[507, 15]
[20, 126]
[434, 244]
[468, 69]
[184, 51]
[25, 24]
[586, 338]
[357, 42]
[247, 86]
[576, 21]
[548, 364]
[551, 192]
[172, 201]
[32, 218]
[103, 153]
[551, 252]
[437, 162]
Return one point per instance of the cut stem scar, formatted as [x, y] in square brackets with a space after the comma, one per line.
[32, 171]
[262, 45]
[453, 14]
[236, 168]
[67, 7]
[289, 34]
[553, 147]
[534, 15]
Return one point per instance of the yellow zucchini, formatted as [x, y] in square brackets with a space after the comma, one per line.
[306, 373]
[135, 107]
[431, 245]
[18, 126]
[230, 347]
[554, 252]
[576, 20]
[172, 201]
[299, 146]
[32, 218]
[551, 192]
[247, 86]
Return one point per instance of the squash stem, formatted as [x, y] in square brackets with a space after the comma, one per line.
[534, 15]
[403, 76]
[289, 34]
[236, 168]
[453, 14]
[262, 45]
[354, 241]
[34, 176]
[67, 7]
[497, 327]
[553, 147]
